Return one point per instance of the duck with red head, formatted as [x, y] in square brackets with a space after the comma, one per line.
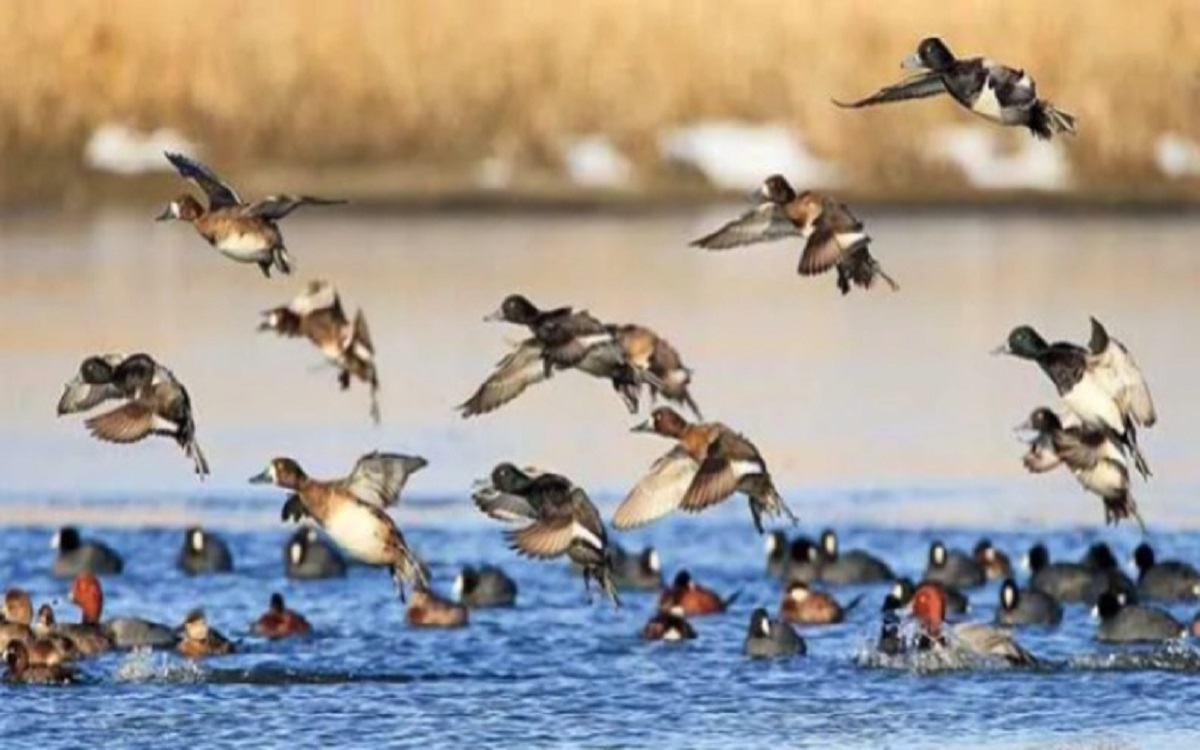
[929, 608]
[708, 463]
[692, 598]
[122, 632]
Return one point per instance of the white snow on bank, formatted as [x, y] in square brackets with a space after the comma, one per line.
[977, 151]
[120, 149]
[595, 162]
[738, 156]
[1177, 156]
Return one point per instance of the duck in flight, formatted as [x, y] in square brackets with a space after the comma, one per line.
[996, 92]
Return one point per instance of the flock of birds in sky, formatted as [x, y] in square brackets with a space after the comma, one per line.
[1104, 397]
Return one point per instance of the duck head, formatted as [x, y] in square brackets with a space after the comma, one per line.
[281, 472]
[281, 320]
[1023, 342]
[829, 543]
[195, 625]
[17, 607]
[196, 539]
[776, 189]
[776, 544]
[1042, 420]
[683, 581]
[650, 562]
[506, 477]
[66, 539]
[16, 657]
[760, 623]
[465, 582]
[1109, 605]
[797, 591]
[515, 308]
[900, 595]
[276, 605]
[45, 617]
[135, 371]
[183, 208]
[663, 421]
[931, 54]
[1037, 558]
[929, 607]
[88, 596]
[937, 554]
[1143, 558]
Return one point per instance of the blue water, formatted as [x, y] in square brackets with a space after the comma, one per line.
[558, 672]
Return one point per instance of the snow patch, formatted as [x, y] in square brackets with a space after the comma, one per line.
[738, 156]
[594, 162]
[1177, 156]
[1036, 165]
[123, 150]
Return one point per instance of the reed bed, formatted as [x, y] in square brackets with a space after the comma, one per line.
[446, 82]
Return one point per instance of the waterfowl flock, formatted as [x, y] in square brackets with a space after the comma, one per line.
[1104, 403]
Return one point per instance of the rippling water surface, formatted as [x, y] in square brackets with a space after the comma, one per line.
[880, 414]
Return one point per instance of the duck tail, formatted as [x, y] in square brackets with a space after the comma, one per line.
[1120, 507]
[1130, 441]
[407, 569]
[197, 455]
[1045, 121]
[282, 260]
[861, 269]
[605, 580]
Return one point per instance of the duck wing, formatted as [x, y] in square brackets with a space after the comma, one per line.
[659, 492]
[568, 340]
[1080, 448]
[985, 639]
[504, 506]
[317, 295]
[919, 86]
[731, 457]
[1121, 376]
[523, 367]
[278, 206]
[764, 223]
[1012, 87]
[360, 339]
[378, 478]
[80, 396]
[128, 423]
[220, 193]
[557, 528]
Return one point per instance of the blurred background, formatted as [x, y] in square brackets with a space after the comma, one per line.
[490, 148]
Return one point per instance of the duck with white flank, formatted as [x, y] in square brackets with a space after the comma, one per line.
[994, 91]
[557, 518]
[1100, 384]
[353, 510]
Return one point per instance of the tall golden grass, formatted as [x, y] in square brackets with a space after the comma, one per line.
[346, 82]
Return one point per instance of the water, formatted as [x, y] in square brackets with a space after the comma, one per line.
[880, 414]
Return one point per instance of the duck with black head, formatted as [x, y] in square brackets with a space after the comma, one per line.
[203, 553]
[953, 567]
[771, 639]
[1122, 622]
[840, 567]
[1166, 580]
[485, 587]
[280, 622]
[992, 90]
[307, 556]
[79, 555]
[995, 563]
[1029, 607]
[692, 597]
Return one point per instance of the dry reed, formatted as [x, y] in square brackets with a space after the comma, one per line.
[361, 82]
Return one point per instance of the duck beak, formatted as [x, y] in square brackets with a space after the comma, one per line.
[647, 426]
[494, 317]
[1002, 349]
[912, 62]
[165, 215]
[263, 477]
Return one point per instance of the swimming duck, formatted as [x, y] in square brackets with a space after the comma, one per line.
[1094, 457]
[642, 571]
[78, 555]
[834, 237]
[557, 518]
[564, 339]
[1066, 582]
[852, 566]
[427, 609]
[769, 639]
[1170, 580]
[1101, 385]
[995, 563]
[244, 232]
[19, 668]
[805, 561]
[279, 621]
[902, 590]
[929, 607]
[668, 625]
[485, 587]
[151, 393]
[201, 640]
[16, 625]
[709, 463]
[777, 547]
[1100, 559]
[1028, 607]
[203, 552]
[306, 556]
[953, 568]
[317, 314]
[123, 632]
[693, 598]
[994, 91]
[353, 510]
[1130, 623]
[88, 636]
[804, 606]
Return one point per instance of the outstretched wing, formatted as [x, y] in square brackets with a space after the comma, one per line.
[916, 87]
[317, 295]
[659, 492]
[763, 223]
[378, 478]
[220, 193]
[278, 206]
[522, 368]
[1121, 376]
[126, 424]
